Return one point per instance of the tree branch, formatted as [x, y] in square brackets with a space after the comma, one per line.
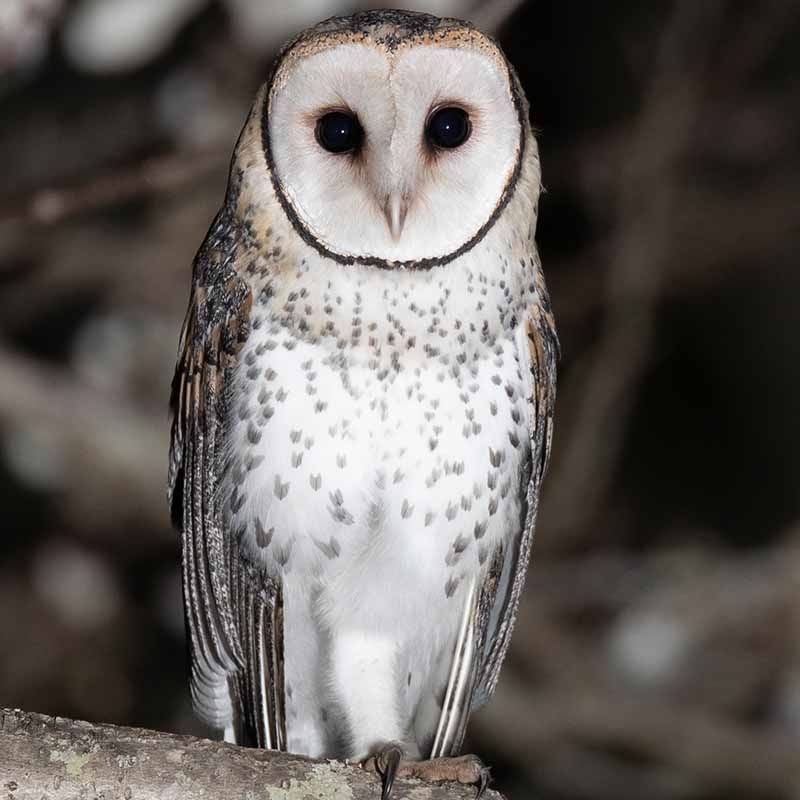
[48, 758]
[153, 175]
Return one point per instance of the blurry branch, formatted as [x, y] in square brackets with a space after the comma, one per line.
[604, 385]
[110, 460]
[729, 615]
[714, 233]
[721, 756]
[743, 55]
[54, 758]
[151, 176]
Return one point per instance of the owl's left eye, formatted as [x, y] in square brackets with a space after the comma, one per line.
[449, 127]
[339, 132]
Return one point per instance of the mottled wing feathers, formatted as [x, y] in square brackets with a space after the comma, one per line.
[227, 604]
[499, 601]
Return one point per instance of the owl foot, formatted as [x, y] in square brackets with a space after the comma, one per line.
[388, 762]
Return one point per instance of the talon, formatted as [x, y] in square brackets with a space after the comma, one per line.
[387, 765]
[486, 777]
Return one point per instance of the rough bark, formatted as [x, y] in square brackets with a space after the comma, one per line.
[53, 758]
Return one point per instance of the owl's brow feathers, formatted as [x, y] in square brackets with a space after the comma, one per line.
[390, 31]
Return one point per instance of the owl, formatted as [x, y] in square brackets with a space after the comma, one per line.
[363, 399]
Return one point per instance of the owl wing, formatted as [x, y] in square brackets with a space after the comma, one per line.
[233, 611]
[491, 611]
[501, 593]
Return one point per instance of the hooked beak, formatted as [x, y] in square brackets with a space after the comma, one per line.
[395, 210]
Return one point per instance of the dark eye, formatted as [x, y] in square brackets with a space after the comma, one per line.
[339, 132]
[448, 127]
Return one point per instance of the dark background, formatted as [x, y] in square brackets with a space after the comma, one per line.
[658, 650]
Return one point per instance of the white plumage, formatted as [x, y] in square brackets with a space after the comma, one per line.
[364, 396]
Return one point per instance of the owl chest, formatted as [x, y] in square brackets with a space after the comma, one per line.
[335, 449]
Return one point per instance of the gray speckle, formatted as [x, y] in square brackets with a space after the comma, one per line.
[263, 537]
[337, 509]
[294, 436]
[281, 489]
[493, 502]
[253, 433]
[429, 517]
[480, 529]
[341, 460]
[451, 585]
[407, 510]
[451, 511]
[252, 462]
[282, 552]
[315, 481]
[297, 458]
[456, 549]
[331, 548]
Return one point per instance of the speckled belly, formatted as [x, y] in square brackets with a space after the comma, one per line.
[344, 459]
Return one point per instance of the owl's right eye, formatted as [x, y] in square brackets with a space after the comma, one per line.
[339, 132]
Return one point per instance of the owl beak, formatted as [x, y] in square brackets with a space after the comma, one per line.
[395, 211]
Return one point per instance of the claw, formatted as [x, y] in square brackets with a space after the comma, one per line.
[387, 764]
[484, 784]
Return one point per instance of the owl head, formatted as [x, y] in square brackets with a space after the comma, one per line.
[393, 138]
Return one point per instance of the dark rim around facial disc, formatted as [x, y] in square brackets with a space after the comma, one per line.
[374, 261]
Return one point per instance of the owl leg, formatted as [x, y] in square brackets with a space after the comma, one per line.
[386, 762]
[467, 769]
[366, 689]
[389, 763]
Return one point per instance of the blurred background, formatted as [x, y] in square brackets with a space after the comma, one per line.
[657, 653]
